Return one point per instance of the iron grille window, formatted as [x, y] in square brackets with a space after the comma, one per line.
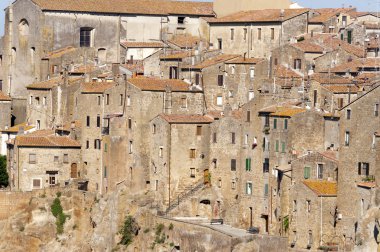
[85, 37]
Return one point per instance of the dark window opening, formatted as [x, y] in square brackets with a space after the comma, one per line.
[85, 36]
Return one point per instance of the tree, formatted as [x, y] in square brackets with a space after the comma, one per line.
[4, 178]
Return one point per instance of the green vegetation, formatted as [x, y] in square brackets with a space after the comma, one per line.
[59, 194]
[146, 230]
[128, 231]
[57, 211]
[160, 235]
[171, 226]
[4, 178]
[285, 223]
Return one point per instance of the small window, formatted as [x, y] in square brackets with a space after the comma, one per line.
[252, 73]
[308, 206]
[246, 137]
[266, 165]
[320, 171]
[266, 190]
[214, 163]
[36, 183]
[248, 116]
[363, 168]
[348, 114]
[248, 164]
[248, 188]
[232, 34]
[376, 112]
[30, 99]
[306, 172]
[233, 136]
[85, 37]
[105, 147]
[66, 158]
[121, 99]
[97, 144]
[233, 164]
[129, 123]
[87, 144]
[340, 103]
[183, 102]
[272, 33]
[275, 123]
[220, 80]
[192, 172]
[283, 146]
[181, 20]
[88, 121]
[98, 121]
[197, 79]
[130, 147]
[199, 130]
[220, 44]
[56, 159]
[154, 129]
[245, 32]
[32, 159]
[219, 100]
[294, 205]
[277, 145]
[214, 138]
[232, 70]
[37, 100]
[161, 152]
[233, 185]
[38, 126]
[259, 33]
[297, 64]
[128, 101]
[275, 61]
[347, 138]
[44, 101]
[251, 95]
[107, 99]
[192, 153]
[286, 124]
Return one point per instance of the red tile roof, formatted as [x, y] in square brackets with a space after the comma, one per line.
[177, 55]
[187, 119]
[325, 14]
[285, 110]
[281, 71]
[308, 46]
[4, 97]
[366, 184]
[356, 65]
[269, 15]
[322, 188]
[145, 7]
[150, 84]
[35, 140]
[212, 61]
[341, 89]
[133, 44]
[185, 41]
[49, 84]
[59, 53]
[242, 60]
[97, 87]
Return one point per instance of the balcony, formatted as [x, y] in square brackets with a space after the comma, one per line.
[105, 131]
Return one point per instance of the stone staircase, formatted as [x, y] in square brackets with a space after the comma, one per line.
[183, 192]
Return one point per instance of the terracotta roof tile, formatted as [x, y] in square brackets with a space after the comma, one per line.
[341, 89]
[82, 69]
[212, 61]
[185, 41]
[17, 127]
[366, 184]
[186, 119]
[4, 97]
[133, 44]
[242, 60]
[146, 7]
[308, 47]
[59, 53]
[269, 15]
[333, 79]
[334, 43]
[177, 55]
[322, 188]
[356, 65]
[281, 71]
[326, 14]
[49, 84]
[136, 67]
[46, 141]
[285, 110]
[372, 26]
[97, 87]
[150, 84]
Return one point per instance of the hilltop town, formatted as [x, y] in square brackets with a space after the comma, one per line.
[158, 125]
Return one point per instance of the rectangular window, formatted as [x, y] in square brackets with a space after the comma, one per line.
[36, 183]
[44, 101]
[248, 164]
[294, 205]
[259, 33]
[52, 179]
[199, 130]
[128, 101]
[266, 190]
[245, 32]
[347, 138]
[233, 140]
[219, 100]
[197, 79]
[251, 95]
[88, 121]
[252, 73]
[130, 147]
[56, 159]
[272, 33]
[214, 139]
[173, 72]
[220, 44]
[248, 116]
[87, 144]
[363, 168]
[306, 172]
[233, 185]
[98, 121]
[220, 80]
[66, 158]
[266, 165]
[348, 114]
[121, 99]
[97, 144]
[232, 34]
[275, 123]
[105, 172]
[85, 37]
[32, 159]
[233, 164]
[30, 99]
[376, 112]
[161, 152]
[277, 145]
[181, 20]
[192, 172]
[320, 171]
[107, 99]
[283, 146]
[308, 206]
[297, 64]
[99, 99]
[248, 188]
[192, 153]
[183, 102]
[105, 147]
[340, 103]
[286, 124]
[130, 123]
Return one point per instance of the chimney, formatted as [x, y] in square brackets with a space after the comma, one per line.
[115, 69]
[168, 100]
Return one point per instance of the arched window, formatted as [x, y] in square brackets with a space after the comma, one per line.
[32, 53]
[13, 55]
[23, 27]
[102, 55]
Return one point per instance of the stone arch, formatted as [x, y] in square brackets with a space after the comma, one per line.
[23, 27]
[102, 55]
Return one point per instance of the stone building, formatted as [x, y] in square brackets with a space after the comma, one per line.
[11, 132]
[358, 161]
[330, 20]
[42, 159]
[5, 111]
[257, 32]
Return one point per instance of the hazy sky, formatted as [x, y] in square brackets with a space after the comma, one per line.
[364, 5]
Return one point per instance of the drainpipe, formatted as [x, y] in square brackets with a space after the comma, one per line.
[169, 156]
[320, 239]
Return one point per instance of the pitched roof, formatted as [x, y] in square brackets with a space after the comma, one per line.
[269, 15]
[332, 79]
[4, 97]
[186, 119]
[308, 47]
[49, 84]
[59, 53]
[356, 65]
[177, 55]
[285, 110]
[17, 127]
[212, 61]
[281, 71]
[133, 44]
[322, 188]
[137, 66]
[326, 14]
[185, 41]
[243, 60]
[145, 7]
[96, 87]
[151, 84]
[341, 89]
[46, 141]
[335, 43]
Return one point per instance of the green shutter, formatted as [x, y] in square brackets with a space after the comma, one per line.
[277, 145]
[105, 171]
[275, 123]
[286, 124]
[248, 164]
[306, 172]
[266, 190]
[283, 147]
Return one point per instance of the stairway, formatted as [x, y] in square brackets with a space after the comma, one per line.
[184, 192]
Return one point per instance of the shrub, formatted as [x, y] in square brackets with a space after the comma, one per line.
[171, 226]
[128, 231]
[4, 178]
[57, 211]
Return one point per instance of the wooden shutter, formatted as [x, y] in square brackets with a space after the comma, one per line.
[360, 168]
[220, 80]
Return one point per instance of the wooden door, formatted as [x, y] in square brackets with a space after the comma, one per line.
[206, 175]
[74, 170]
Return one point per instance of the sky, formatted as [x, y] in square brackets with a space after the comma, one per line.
[362, 5]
